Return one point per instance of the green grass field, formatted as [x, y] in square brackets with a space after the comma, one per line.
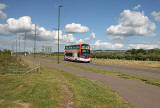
[149, 64]
[44, 90]
[12, 64]
[34, 90]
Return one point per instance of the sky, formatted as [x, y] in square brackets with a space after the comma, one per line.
[104, 24]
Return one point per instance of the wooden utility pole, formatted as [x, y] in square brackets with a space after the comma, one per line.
[25, 44]
[35, 37]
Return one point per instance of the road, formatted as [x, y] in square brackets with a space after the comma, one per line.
[129, 70]
[136, 93]
[135, 71]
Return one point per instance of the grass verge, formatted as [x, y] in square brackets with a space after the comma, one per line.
[12, 65]
[30, 91]
[149, 64]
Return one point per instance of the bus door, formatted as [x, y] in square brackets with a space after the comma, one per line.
[75, 56]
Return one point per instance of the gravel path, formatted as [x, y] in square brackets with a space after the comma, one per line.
[136, 93]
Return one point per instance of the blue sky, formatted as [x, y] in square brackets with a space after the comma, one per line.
[96, 15]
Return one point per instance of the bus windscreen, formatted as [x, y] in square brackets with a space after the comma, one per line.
[85, 53]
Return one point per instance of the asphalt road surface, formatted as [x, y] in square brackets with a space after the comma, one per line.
[129, 70]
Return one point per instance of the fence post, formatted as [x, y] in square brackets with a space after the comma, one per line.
[39, 66]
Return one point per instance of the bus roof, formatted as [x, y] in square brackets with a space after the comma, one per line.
[77, 44]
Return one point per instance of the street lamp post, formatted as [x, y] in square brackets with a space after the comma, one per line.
[58, 29]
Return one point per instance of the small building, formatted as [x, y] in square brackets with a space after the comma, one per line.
[46, 49]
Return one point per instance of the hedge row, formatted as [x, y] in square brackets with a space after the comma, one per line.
[152, 55]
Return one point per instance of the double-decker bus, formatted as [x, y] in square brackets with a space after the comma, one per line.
[78, 52]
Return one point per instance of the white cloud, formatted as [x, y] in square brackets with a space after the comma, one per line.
[116, 38]
[11, 43]
[69, 38]
[132, 23]
[13, 26]
[2, 6]
[156, 15]
[85, 40]
[75, 28]
[137, 7]
[4, 30]
[80, 41]
[23, 24]
[48, 35]
[144, 46]
[107, 45]
[6, 43]
[93, 35]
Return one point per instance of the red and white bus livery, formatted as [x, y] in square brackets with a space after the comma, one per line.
[78, 52]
